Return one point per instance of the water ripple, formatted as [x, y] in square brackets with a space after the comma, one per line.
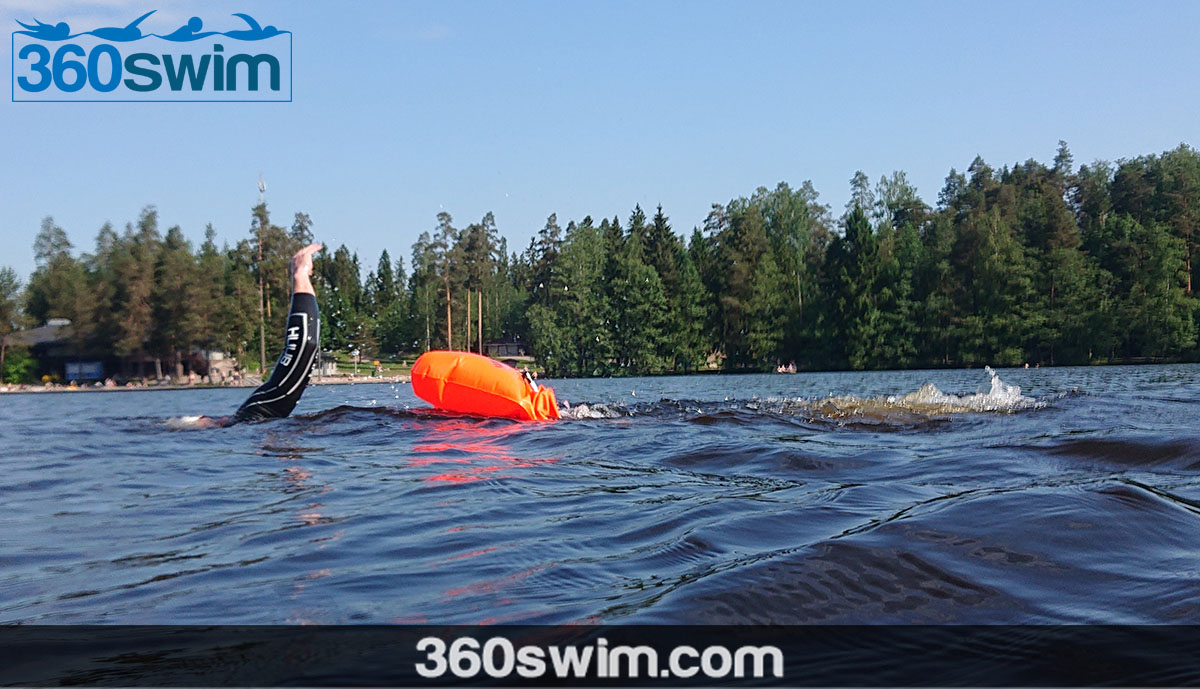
[1017, 496]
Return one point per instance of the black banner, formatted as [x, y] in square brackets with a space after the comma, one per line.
[223, 656]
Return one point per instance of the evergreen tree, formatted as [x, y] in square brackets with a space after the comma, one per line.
[938, 291]
[662, 251]
[744, 282]
[639, 310]
[243, 302]
[477, 251]
[899, 212]
[1132, 188]
[134, 268]
[212, 309]
[446, 265]
[583, 311]
[10, 313]
[176, 293]
[341, 299]
[389, 310]
[852, 315]
[900, 252]
[274, 247]
[764, 312]
[301, 232]
[797, 227]
[1091, 200]
[999, 294]
[57, 288]
[103, 283]
[547, 340]
[1063, 164]
[1153, 313]
[512, 294]
[1029, 262]
[690, 314]
[383, 292]
[423, 294]
[861, 196]
[542, 255]
[1178, 202]
[703, 254]
[1052, 246]
[637, 227]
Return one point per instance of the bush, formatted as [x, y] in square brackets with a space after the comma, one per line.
[18, 365]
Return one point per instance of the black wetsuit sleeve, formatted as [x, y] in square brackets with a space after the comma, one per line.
[277, 397]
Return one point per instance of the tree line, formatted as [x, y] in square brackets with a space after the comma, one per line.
[1032, 263]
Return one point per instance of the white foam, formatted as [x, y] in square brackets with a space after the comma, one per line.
[182, 422]
[927, 401]
[594, 411]
[1000, 397]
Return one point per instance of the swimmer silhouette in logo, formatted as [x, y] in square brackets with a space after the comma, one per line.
[45, 32]
[189, 32]
[255, 32]
[129, 32]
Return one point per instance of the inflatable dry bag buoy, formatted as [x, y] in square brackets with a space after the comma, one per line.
[473, 384]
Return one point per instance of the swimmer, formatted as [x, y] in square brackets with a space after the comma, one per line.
[277, 397]
[189, 32]
[130, 32]
[255, 32]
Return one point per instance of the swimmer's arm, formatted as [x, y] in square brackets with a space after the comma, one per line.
[278, 396]
[302, 267]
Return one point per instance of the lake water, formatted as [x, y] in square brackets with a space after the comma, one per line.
[807, 498]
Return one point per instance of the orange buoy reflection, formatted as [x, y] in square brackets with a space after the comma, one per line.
[469, 449]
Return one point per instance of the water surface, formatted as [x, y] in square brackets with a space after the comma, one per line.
[885, 497]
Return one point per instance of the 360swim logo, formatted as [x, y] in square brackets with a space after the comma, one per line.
[246, 62]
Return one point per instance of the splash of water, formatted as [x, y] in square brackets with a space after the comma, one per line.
[1000, 397]
[928, 401]
[594, 411]
[187, 422]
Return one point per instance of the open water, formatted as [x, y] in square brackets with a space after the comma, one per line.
[913, 497]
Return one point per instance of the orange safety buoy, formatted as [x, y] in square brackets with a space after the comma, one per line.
[473, 384]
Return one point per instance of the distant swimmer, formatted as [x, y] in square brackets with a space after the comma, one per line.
[255, 32]
[277, 397]
[45, 32]
[188, 32]
[129, 32]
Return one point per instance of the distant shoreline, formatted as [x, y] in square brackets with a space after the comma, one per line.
[6, 389]
[59, 389]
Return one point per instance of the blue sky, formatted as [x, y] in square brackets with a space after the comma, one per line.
[404, 109]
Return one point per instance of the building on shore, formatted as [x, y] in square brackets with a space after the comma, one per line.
[63, 357]
[503, 349]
